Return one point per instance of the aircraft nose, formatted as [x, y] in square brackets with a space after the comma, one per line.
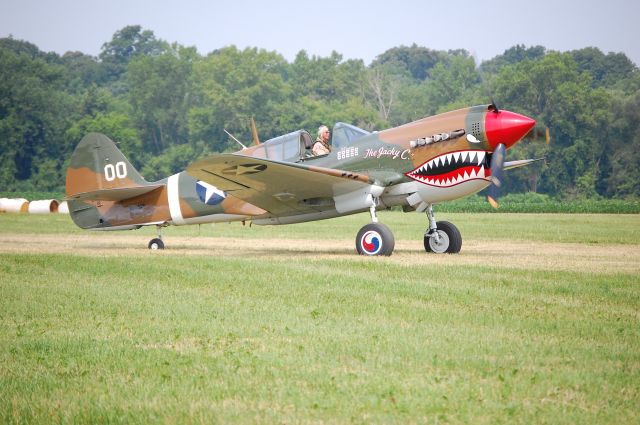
[506, 127]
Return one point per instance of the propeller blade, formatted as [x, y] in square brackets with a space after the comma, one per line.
[254, 132]
[509, 165]
[497, 172]
[547, 135]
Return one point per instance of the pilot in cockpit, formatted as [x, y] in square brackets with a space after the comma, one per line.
[321, 146]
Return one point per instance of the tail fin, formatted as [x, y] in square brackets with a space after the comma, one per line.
[98, 171]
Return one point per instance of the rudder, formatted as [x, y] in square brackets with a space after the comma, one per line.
[98, 165]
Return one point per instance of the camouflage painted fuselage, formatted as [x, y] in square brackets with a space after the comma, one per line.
[431, 160]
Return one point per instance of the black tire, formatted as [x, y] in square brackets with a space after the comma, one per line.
[375, 239]
[450, 239]
[156, 243]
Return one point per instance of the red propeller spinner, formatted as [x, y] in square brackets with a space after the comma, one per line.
[506, 127]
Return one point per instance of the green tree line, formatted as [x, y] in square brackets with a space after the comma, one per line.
[167, 105]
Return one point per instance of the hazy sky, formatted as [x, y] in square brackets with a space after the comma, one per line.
[356, 29]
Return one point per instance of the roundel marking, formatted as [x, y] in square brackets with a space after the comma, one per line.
[371, 242]
[209, 194]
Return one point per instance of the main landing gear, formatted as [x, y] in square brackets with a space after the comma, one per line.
[441, 237]
[156, 243]
[376, 238]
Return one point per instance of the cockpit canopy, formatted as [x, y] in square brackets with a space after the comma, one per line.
[344, 134]
[296, 146]
[289, 147]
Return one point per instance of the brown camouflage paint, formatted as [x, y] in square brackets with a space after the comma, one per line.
[380, 158]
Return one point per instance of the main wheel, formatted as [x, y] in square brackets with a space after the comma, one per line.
[450, 239]
[375, 239]
[156, 243]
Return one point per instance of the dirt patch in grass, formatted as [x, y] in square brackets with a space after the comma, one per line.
[599, 259]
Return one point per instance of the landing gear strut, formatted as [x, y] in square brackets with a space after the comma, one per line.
[156, 243]
[375, 238]
[441, 237]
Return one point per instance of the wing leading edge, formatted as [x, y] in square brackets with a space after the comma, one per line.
[281, 188]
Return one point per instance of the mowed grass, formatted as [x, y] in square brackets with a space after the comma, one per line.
[201, 339]
[573, 228]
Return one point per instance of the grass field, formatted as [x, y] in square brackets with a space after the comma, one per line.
[537, 320]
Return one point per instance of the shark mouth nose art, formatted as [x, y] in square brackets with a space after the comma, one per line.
[452, 168]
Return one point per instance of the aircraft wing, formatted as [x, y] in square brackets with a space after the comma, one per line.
[281, 188]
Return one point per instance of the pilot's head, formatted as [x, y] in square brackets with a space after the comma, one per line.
[323, 132]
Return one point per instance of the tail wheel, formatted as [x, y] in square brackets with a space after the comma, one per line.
[375, 239]
[450, 239]
[156, 243]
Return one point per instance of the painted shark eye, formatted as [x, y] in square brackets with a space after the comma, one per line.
[452, 168]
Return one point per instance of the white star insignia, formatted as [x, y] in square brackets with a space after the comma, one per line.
[210, 191]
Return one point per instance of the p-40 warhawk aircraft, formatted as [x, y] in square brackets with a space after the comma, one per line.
[280, 181]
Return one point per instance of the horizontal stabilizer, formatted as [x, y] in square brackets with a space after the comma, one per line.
[117, 194]
[521, 163]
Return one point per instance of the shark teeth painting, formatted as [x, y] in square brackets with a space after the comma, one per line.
[452, 168]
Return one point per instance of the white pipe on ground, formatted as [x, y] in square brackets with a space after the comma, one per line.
[19, 205]
[44, 206]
